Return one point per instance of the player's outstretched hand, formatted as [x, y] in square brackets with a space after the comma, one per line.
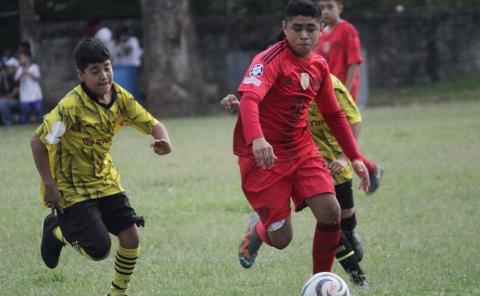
[362, 172]
[161, 146]
[51, 197]
[230, 103]
[263, 152]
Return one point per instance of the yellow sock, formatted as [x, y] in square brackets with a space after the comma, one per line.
[124, 265]
[57, 232]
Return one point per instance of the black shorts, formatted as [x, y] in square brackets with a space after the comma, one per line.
[344, 195]
[89, 223]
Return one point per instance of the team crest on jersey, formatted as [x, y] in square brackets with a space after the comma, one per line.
[255, 73]
[304, 80]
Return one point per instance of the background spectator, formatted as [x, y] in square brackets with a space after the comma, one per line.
[28, 75]
[8, 90]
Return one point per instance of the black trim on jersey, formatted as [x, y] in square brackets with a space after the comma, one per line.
[117, 287]
[274, 52]
[94, 97]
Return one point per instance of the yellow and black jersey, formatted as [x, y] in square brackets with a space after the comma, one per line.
[321, 133]
[78, 135]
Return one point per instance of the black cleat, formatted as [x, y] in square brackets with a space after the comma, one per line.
[375, 177]
[51, 246]
[359, 279]
[357, 245]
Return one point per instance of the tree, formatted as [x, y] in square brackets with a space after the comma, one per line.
[174, 82]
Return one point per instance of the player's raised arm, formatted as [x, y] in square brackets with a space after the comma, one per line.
[161, 141]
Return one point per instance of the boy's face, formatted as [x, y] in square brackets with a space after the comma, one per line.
[24, 59]
[97, 77]
[331, 11]
[302, 34]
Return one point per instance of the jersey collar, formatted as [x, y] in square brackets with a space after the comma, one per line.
[94, 97]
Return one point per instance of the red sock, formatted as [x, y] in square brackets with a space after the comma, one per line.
[325, 244]
[262, 233]
[370, 165]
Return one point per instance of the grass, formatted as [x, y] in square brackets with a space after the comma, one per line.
[420, 230]
[463, 88]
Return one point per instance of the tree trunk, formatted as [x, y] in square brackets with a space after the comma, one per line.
[174, 85]
[27, 22]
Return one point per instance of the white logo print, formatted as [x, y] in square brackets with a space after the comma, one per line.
[58, 129]
[255, 73]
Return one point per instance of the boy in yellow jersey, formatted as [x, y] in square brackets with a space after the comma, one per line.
[350, 250]
[71, 152]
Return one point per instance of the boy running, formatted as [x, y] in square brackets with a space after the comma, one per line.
[350, 249]
[276, 154]
[71, 152]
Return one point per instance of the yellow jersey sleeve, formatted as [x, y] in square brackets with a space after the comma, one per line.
[133, 114]
[346, 102]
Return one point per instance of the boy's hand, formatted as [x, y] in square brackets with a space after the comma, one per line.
[362, 172]
[263, 152]
[230, 103]
[338, 166]
[161, 146]
[52, 197]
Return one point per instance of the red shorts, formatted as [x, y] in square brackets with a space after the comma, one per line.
[269, 191]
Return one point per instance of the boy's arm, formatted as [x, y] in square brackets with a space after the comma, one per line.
[351, 72]
[40, 156]
[161, 142]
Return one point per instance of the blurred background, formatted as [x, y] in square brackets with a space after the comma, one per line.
[191, 53]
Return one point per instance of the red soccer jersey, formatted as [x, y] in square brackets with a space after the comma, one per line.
[341, 48]
[282, 85]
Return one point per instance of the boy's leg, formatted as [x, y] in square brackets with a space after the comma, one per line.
[24, 112]
[37, 108]
[349, 222]
[268, 192]
[313, 187]
[326, 210]
[5, 110]
[122, 221]
[347, 252]
[81, 227]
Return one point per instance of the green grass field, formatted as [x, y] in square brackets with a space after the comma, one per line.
[420, 230]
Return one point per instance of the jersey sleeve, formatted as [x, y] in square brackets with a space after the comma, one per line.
[346, 102]
[354, 55]
[259, 77]
[136, 116]
[54, 125]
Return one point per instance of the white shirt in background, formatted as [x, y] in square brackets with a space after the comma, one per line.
[135, 55]
[30, 90]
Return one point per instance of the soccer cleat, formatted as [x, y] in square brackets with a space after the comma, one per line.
[357, 245]
[359, 279]
[251, 242]
[51, 246]
[375, 177]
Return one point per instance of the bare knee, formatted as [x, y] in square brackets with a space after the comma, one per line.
[129, 238]
[282, 242]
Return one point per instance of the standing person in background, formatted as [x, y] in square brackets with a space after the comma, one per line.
[28, 77]
[8, 90]
[95, 28]
[128, 51]
[339, 44]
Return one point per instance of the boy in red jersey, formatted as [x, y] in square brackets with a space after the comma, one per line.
[339, 44]
[276, 154]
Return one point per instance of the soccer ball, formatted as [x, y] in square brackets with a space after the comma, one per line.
[325, 284]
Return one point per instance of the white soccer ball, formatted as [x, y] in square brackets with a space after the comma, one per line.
[325, 284]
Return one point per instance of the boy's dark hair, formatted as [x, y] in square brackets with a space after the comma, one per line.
[306, 8]
[90, 51]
